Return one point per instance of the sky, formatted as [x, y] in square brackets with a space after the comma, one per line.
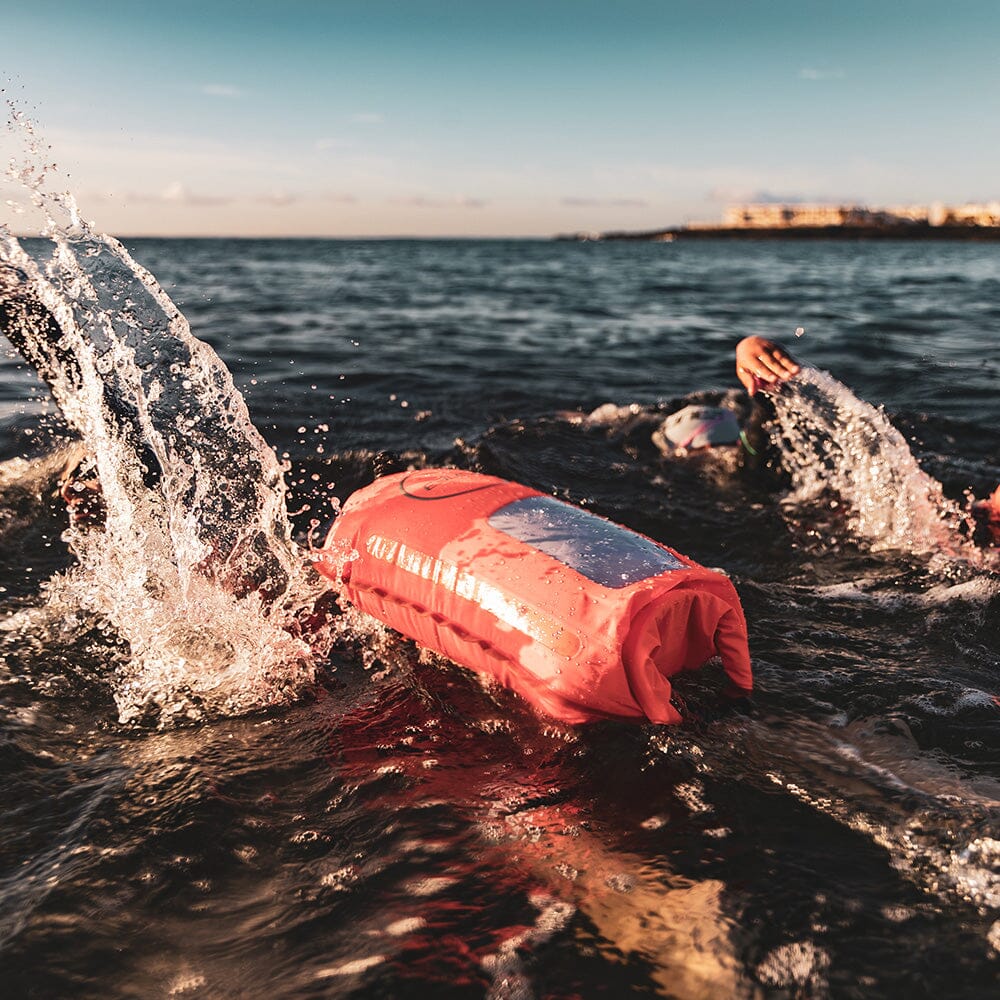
[520, 118]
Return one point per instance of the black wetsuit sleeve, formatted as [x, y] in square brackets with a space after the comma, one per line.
[33, 330]
[760, 457]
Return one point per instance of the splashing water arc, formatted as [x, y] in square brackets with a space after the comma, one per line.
[833, 442]
[197, 571]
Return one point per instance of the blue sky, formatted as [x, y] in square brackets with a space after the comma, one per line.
[439, 117]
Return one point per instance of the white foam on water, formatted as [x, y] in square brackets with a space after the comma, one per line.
[799, 963]
[352, 968]
[505, 967]
[960, 863]
[831, 441]
[186, 982]
[197, 571]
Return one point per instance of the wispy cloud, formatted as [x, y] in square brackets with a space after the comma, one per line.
[605, 202]
[222, 90]
[758, 196]
[176, 193]
[278, 199]
[422, 201]
[812, 73]
[763, 196]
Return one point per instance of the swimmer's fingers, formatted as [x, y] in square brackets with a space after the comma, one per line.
[759, 360]
[750, 381]
[779, 364]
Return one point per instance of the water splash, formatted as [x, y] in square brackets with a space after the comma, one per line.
[195, 566]
[833, 442]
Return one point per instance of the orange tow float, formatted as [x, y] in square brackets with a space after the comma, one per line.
[583, 618]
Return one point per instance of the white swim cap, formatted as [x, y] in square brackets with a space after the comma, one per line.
[697, 427]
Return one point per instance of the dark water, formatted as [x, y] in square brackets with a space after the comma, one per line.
[400, 831]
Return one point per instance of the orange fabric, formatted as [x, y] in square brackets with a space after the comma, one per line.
[416, 551]
[993, 506]
[993, 515]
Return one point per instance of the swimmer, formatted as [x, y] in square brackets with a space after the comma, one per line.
[761, 365]
[721, 433]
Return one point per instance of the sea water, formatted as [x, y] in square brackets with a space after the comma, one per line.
[373, 821]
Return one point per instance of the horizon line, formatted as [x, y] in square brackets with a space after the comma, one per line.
[299, 236]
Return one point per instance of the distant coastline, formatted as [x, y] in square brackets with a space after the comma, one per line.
[913, 231]
[970, 222]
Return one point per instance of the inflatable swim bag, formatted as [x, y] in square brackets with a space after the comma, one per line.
[581, 617]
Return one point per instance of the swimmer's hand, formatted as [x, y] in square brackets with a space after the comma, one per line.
[81, 491]
[761, 361]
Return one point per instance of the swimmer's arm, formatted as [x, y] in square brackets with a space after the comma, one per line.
[760, 455]
[759, 360]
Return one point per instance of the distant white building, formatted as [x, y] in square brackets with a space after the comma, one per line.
[973, 214]
[787, 216]
[772, 216]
